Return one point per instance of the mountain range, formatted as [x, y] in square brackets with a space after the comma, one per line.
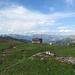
[67, 40]
[55, 39]
[16, 39]
[46, 38]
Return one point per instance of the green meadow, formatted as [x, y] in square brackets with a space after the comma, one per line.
[14, 59]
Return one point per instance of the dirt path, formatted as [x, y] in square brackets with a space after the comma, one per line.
[0, 73]
[3, 55]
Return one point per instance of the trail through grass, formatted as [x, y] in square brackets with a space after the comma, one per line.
[17, 59]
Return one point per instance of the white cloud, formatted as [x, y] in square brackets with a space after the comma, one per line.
[59, 15]
[18, 19]
[0, 28]
[42, 31]
[69, 2]
[65, 31]
[21, 19]
[10, 30]
[63, 27]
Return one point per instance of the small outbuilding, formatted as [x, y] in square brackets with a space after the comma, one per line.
[37, 40]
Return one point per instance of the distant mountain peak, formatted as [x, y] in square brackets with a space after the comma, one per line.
[71, 36]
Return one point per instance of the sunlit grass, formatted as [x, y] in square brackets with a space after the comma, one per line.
[17, 59]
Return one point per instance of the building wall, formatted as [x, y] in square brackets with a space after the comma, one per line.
[36, 40]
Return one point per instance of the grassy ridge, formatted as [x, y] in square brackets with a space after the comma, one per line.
[17, 60]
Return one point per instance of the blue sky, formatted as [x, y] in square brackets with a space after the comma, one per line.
[37, 17]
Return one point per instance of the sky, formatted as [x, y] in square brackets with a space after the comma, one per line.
[37, 17]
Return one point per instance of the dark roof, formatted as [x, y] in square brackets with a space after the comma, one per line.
[36, 39]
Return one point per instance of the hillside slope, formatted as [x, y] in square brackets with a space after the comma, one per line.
[17, 60]
[11, 38]
[67, 40]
